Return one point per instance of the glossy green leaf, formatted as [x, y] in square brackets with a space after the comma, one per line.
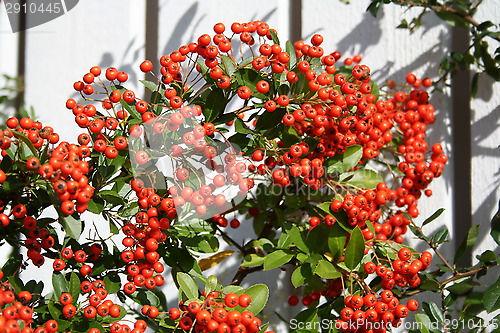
[440, 236]
[346, 161]
[491, 297]
[248, 77]
[74, 285]
[259, 294]
[326, 270]
[468, 242]
[462, 287]
[495, 226]
[296, 237]
[113, 282]
[72, 226]
[63, 324]
[26, 141]
[145, 297]
[452, 19]
[433, 311]
[228, 65]
[336, 241]
[290, 49]
[270, 119]
[276, 259]
[301, 274]
[187, 285]
[362, 178]
[16, 283]
[434, 216]
[424, 322]
[354, 251]
[59, 284]
[53, 310]
[215, 104]
[274, 36]
[252, 260]
[149, 85]
[96, 205]
[241, 127]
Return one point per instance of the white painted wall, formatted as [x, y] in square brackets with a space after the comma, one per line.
[8, 50]
[485, 146]
[105, 33]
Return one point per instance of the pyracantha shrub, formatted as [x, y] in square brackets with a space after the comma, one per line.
[326, 166]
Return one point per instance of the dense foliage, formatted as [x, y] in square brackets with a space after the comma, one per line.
[326, 166]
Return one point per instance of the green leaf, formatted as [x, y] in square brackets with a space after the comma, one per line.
[432, 310]
[12, 265]
[290, 49]
[307, 318]
[301, 274]
[26, 141]
[346, 161]
[211, 284]
[491, 297]
[241, 127]
[96, 205]
[403, 25]
[59, 284]
[63, 324]
[274, 36]
[253, 260]
[72, 226]
[276, 259]
[326, 270]
[16, 283]
[144, 297]
[74, 286]
[270, 119]
[452, 19]
[113, 282]
[111, 196]
[149, 85]
[228, 65]
[475, 84]
[215, 103]
[296, 238]
[434, 216]
[424, 321]
[363, 178]
[440, 236]
[336, 241]
[355, 249]
[495, 226]
[187, 285]
[54, 312]
[468, 242]
[259, 294]
[248, 77]
[462, 287]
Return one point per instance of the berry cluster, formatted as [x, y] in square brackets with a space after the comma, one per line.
[306, 121]
[216, 313]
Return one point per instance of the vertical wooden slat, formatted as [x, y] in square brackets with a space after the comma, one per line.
[295, 20]
[461, 147]
[21, 58]
[151, 52]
